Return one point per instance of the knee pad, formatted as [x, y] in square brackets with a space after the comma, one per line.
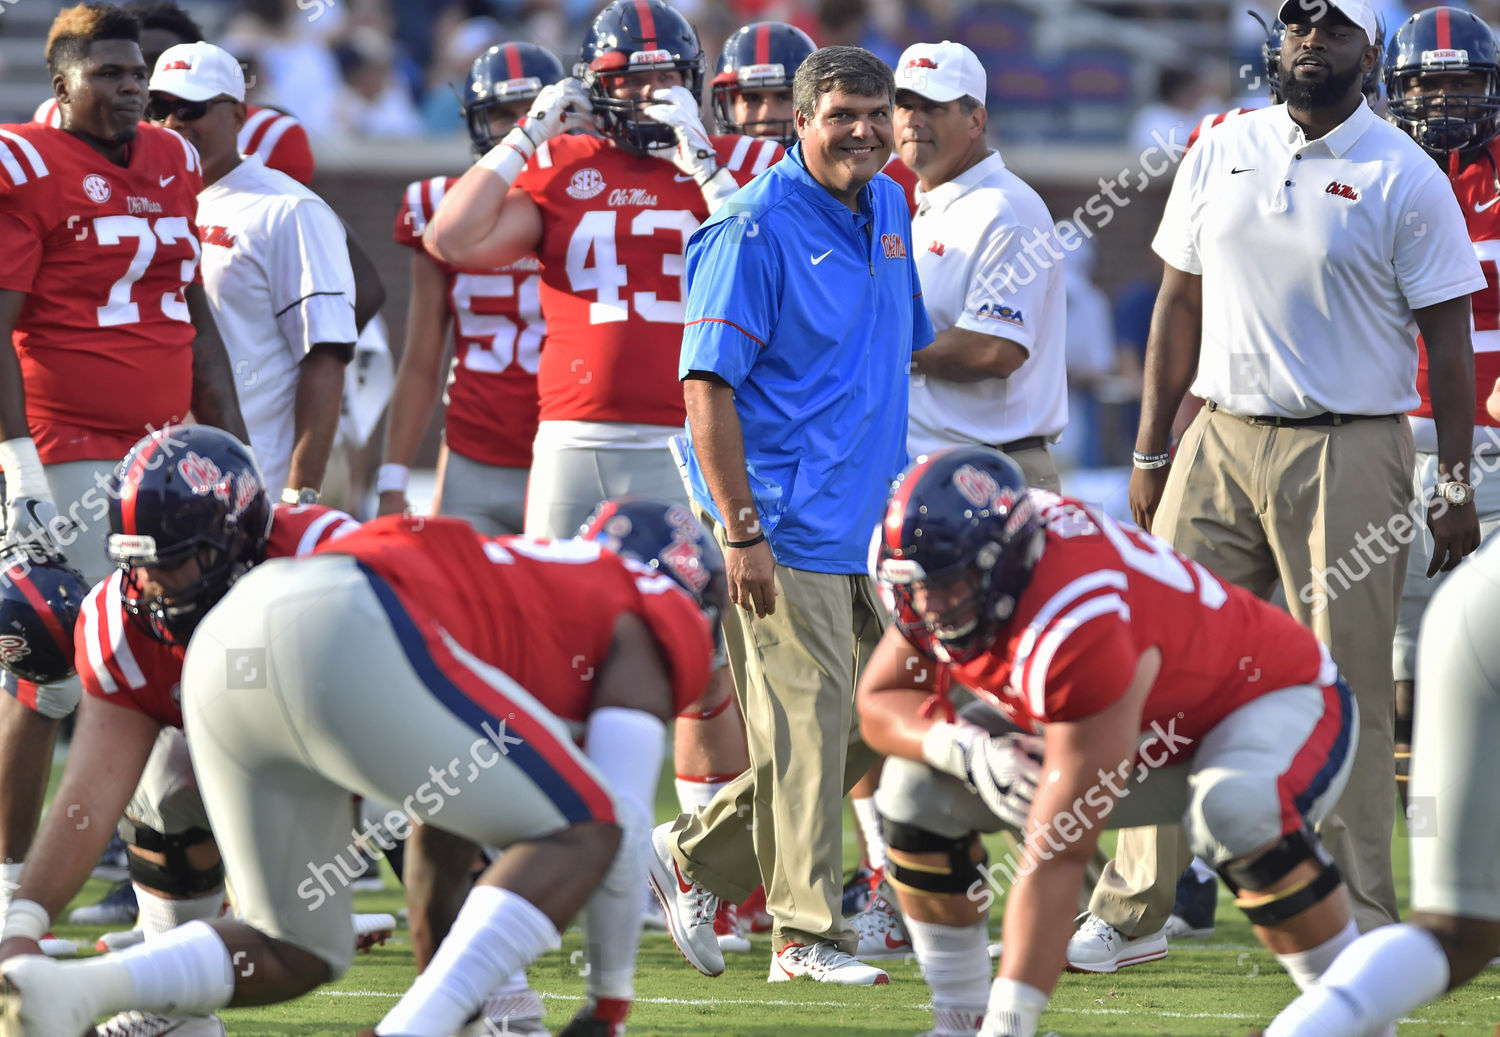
[176, 877]
[1246, 876]
[956, 875]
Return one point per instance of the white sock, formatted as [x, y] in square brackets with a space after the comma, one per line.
[186, 971]
[957, 968]
[497, 932]
[1381, 977]
[869, 824]
[1306, 966]
[627, 747]
[10, 881]
[693, 794]
[1015, 1009]
[160, 914]
[1202, 872]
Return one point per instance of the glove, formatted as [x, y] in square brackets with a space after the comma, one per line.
[28, 525]
[694, 154]
[562, 106]
[1002, 770]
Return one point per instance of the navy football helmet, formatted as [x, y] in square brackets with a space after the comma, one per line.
[39, 603]
[665, 537]
[1436, 41]
[503, 75]
[637, 36]
[760, 56]
[186, 493]
[959, 519]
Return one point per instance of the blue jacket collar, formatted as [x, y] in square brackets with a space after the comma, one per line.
[795, 169]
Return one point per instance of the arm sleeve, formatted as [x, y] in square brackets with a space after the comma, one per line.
[312, 284]
[1007, 291]
[1433, 256]
[1176, 240]
[733, 297]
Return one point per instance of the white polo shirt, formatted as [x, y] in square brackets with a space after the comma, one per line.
[979, 240]
[1313, 256]
[277, 276]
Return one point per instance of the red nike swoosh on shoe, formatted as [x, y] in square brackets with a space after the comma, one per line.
[893, 943]
[682, 884]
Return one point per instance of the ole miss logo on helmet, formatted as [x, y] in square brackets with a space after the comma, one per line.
[13, 649]
[202, 475]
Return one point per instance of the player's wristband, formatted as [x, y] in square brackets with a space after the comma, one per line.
[1146, 462]
[509, 157]
[27, 920]
[1015, 1008]
[392, 478]
[24, 476]
[757, 538]
[718, 188]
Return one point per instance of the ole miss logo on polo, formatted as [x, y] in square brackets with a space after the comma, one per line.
[1342, 190]
[894, 247]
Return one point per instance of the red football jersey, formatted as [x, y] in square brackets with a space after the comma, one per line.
[279, 139]
[614, 230]
[104, 253]
[1477, 196]
[1102, 594]
[117, 660]
[542, 611]
[901, 173]
[1208, 122]
[498, 334]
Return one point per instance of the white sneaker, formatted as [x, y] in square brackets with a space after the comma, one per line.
[1098, 946]
[519, 1013]
[38, 999]
[727, 930]
[1179, 928]
[688, 907]
[149, 1024]
[651, 912]
[951, 1022]
[372, 930]
[881, 934]
[825, 963]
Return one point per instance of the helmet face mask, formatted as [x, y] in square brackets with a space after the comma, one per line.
[189, 515]
[956, 550]
[1433, 50]
[635, 36]
[510, 74]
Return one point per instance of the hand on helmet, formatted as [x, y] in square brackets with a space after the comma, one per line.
[562, 106]
[29, 525]
[694, 155]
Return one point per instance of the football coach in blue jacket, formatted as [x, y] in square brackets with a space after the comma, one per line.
[803, 309]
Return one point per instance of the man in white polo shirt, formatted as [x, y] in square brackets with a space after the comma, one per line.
[995, 374]
[1301, 242]
[275, 269]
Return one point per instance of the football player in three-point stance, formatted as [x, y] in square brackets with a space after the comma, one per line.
[1125, 665]
[491, 414]
[555, 733]
[109, 336]
[609, 216]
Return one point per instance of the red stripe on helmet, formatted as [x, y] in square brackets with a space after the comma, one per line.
[762, 44]
[648, 25]
[901, 499]
[20, 578]
[1444, 29]
[512, 61]
[131, 484]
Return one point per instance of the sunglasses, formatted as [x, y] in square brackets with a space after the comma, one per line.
[158, 108]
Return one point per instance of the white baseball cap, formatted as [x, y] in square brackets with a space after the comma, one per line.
[198, 72]
[1357, 11]
[941, 72]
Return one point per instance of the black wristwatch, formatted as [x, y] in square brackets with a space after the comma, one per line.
[306, 495]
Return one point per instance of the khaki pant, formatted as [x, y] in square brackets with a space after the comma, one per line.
[1298, 507]
[781, 822]
[1038, 467]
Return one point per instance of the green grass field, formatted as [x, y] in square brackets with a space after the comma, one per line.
[1227, 985]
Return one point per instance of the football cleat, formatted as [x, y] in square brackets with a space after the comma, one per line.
[1098, 946]
[149, 1024]
[825, 963]
[727, 930]
[754, 918]
[1193, 913]
[117, 907]
[689, 908]
[859, 889]
[372, 930]
[881, 934]
[520, 1013]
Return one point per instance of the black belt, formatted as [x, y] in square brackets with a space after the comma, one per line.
[1024, 443]
[1326, 418]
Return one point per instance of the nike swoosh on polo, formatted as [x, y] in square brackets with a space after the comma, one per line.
[818, 259]
[1481, 206]
[1247, 169]
[165, 180]
[682, 884]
